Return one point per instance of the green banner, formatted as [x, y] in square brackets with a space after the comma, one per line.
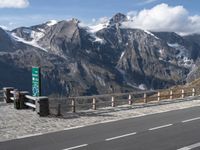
[36, 84]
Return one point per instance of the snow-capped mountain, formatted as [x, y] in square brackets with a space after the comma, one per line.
[102, 58]
[32, 35]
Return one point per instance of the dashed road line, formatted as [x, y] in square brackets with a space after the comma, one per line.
[190, 146]
[189, 120]
[75, 147]
[121, 136]
[159, 127]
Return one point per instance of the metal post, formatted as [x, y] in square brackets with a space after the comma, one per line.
[113, 101]
[193, 91]
[182, 93]
[158, 96]
[129, 99]
[73, 106]
[94, 104]
[145, 98]
[171, 94]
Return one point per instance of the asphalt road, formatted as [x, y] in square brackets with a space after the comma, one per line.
[175, 130]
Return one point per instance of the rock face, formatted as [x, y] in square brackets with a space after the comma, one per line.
[188, 43]
[118, 18]
[76, 61]
[195, 73]
[6, 42]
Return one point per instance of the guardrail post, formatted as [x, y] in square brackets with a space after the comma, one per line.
[171, 94]
[42, 106]
[73, 106]
[7, 95]
[182, 93]
[158, 96]
[94, 104]
[193, 91]
[16, 96]
[59, 110]
[130, 100]
[22, 99]
[113, 101]
[145, 98]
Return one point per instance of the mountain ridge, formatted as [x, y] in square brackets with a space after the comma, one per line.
[76, 61]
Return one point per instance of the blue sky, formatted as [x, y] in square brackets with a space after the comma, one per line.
[30, 12]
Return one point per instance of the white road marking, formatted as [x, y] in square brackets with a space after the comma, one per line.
[189, 120]
[121, 136]
[190, 146]
[29, 135]
[71, 128]
[159, 127]
[75, 147]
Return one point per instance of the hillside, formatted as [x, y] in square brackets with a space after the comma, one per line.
[85, 60]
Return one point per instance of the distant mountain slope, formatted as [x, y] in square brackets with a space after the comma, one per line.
[194, 38]
[105, 58]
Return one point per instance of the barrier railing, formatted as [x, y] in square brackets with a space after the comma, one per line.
[22, 100]
[55, 105]
[96, 101]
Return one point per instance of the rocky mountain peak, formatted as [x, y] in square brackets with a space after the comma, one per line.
[118, 18]
[76, 21]
[79, 61]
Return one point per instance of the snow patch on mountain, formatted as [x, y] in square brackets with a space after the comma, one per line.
[37, 35]
[148, 32]
[33, 34]
[183, 52]
[174, 45]
[3, 27]
[161, 51]
[98, 27]
[97, 39]
[31, 43]
[123, 26]
[142, 87]
[182, 56]
[51, 22]
[186, 62]
[122, 54]
[92, 31]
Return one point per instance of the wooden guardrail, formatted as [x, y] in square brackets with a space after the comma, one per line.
[93, 102]
[22, 100]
